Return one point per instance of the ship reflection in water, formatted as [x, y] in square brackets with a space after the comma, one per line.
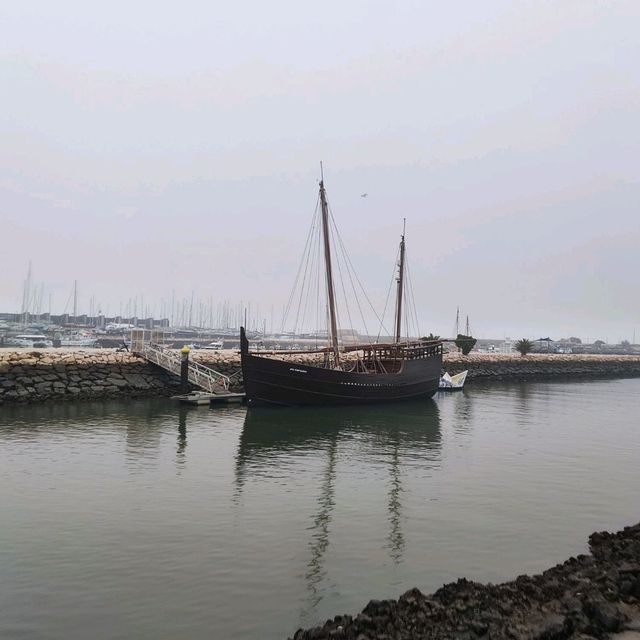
[388, 437]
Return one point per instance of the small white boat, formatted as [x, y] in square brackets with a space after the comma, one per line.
[452, 383]
[78, 340]
[29, 341]
[214, 346]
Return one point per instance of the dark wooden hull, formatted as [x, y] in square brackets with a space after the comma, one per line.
[278, 382]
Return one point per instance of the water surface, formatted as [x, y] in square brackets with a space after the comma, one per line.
[146, 520]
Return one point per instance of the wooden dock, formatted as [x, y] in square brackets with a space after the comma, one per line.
[203, 398]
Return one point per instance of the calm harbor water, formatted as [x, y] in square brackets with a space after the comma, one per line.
[146, 520]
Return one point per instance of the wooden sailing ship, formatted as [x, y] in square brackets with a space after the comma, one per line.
[380, 372]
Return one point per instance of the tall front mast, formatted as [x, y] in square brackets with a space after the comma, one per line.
[327, 263]
[400, 286]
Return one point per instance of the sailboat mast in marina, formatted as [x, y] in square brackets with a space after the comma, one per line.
[355, 374]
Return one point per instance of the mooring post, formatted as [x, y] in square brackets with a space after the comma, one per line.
[184, 369]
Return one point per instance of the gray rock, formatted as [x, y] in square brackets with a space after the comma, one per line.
[606, 615]
[137, 381]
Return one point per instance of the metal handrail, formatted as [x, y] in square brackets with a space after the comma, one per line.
[198, 374]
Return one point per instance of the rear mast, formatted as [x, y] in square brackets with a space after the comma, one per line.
[400, 285]
[333, 338]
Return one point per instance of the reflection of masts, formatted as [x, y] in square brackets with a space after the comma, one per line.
[396, 539]
[327, 263]
[400, 287]
[320, 528]
[182, 435]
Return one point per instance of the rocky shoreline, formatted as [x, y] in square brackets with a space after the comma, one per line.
[589, 596]
[41, 376]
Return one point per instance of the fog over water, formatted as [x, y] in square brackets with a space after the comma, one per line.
[147, 148]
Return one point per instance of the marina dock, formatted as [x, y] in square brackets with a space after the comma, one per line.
[202, 398]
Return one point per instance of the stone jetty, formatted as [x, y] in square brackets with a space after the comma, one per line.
[589, 596]
[34, 376]
[541, 366]
[50, 374]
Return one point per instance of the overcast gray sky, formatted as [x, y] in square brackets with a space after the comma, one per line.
[151, 146]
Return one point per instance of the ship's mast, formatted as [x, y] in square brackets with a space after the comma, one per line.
[333, 336]
[400, 286]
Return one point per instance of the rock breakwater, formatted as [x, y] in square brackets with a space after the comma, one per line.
[35, 376]
[590, 596]
[542, 366]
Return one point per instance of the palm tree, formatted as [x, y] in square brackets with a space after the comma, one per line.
[524, 346]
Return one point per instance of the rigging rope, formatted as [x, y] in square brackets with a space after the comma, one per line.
[344, 292]
[412, 298]
[310, 284]
[317, 330]
[285, 315]
[308, 289]
[351, 269]
[312, 256]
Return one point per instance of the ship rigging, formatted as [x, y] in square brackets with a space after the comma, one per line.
[359, 373]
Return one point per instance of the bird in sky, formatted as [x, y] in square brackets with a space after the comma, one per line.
[364, 195]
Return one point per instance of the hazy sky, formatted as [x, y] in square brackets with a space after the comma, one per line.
[149, 146]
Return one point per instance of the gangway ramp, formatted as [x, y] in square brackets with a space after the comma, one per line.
[148, 344]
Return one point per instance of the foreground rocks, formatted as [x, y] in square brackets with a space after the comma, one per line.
[591, 596]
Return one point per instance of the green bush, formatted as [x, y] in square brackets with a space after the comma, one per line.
[465, 343]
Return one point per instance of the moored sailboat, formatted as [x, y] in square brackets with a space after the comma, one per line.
[356, 374]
